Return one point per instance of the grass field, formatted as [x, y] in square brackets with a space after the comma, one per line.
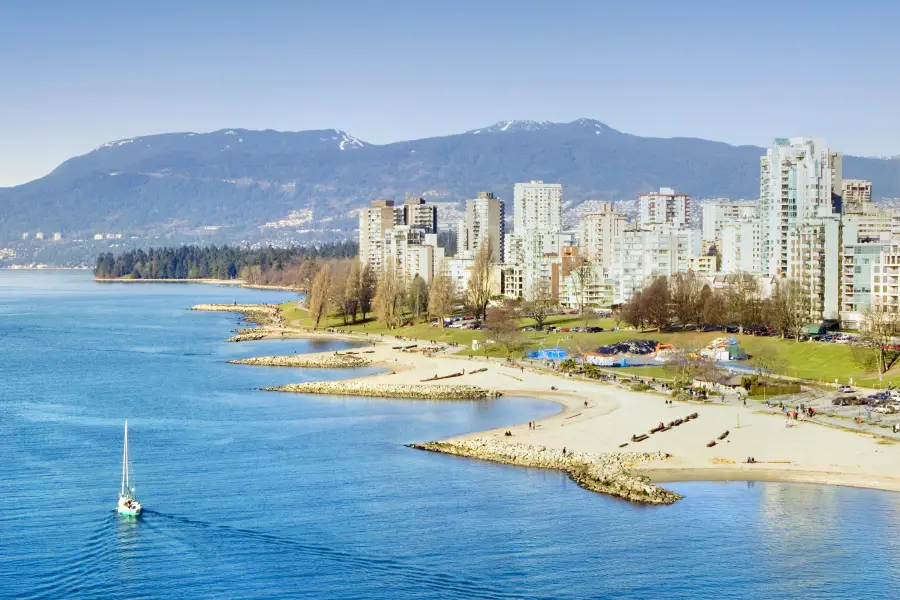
[814, 361]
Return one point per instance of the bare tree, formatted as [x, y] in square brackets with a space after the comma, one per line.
[440, 296]
[389, 297]
[503, 324]
[715, 309]
[879, 329]
[634, 312]
[367, 285]
[767, 361]
[743, 299]
[581, 270]
[478, 292]
[320, 294]
[686, 291]
[617, 317]
[417, 296]
[658, 303]
[541, 305]
[789, 307]
[685, 363]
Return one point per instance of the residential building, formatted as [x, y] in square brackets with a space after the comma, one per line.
[25, 235]
[704, 265]
[597, 232]
[886, 278]
[814, 249]
[715, 213]
[798, 176]
[665, 207]
[856, 195]
[374, 221]
[740, 247]
[537, 206]
[57, 236]
[643, 253]
[462, 237]
[415, 213]
[398, 240]
[39, 235]
[485, 221]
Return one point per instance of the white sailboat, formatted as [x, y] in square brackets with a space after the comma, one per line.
[128, 504]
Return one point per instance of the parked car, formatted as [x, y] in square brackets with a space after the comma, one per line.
[595, 329]
[845, 389]
[711, 328]
[732, 329]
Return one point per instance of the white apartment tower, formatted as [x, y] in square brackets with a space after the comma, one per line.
[374, 221]
[484, 221]
[856, 196]
[797, 177]
[716, 213]
[597, 232]
[537, 206]
[416, 213]
[665, 207]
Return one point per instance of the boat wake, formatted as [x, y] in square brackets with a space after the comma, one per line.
[418, 577]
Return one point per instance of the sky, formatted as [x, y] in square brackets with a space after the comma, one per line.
[74, 75]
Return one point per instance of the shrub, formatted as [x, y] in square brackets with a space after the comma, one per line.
[781, 389]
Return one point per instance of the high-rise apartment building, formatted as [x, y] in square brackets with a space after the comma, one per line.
[416, 213]
[665, 207]
[715, 213]
[597, 232]
[485, 221]
[537, 206]
[798, 176]
[643, 253]
[814, 257]
[374, 221]
[740, 247]
[856, 196]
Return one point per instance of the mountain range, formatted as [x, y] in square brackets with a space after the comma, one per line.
[244, 178]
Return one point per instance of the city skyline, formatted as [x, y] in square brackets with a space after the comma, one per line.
[85, 76]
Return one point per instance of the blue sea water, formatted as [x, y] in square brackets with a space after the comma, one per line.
[251, 494]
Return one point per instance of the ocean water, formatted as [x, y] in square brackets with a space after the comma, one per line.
[250, 494]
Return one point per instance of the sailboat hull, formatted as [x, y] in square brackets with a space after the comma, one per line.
[129, 511]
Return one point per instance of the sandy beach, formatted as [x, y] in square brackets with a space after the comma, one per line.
[804, 452]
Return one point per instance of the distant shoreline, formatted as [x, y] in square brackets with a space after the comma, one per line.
[230, 282]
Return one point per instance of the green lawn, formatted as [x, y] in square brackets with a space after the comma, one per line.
[815, 361]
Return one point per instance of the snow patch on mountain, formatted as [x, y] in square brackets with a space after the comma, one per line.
[115, 144]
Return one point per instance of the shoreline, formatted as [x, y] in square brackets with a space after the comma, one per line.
[229, 282]
[600, 418]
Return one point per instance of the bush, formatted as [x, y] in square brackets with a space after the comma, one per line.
[641, 387]
[568, 365]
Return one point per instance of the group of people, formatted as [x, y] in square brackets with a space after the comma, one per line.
[670, 402]
[750, 460]
[532, 425]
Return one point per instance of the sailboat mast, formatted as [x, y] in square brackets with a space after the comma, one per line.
[125, 461]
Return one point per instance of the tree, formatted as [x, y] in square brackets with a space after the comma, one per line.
[581, 270]
[743, 299]
[686, 292]
[879, 329]
[503, 324]
[767, 361]
[541, 305]
[617, 316]
[320, 294]
[686, 364]
[634, 312]
[367, 285]
[478, 292]
[389, 297]
[417, 296]
[789, 307]
[715, 309]
[440, 296]
[658, 303]
[347, 289]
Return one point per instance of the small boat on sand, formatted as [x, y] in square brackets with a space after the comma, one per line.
[128, 503]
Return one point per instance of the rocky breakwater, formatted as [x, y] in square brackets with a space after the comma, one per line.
[322, 361]
[389, 390]
[266, 315]
[604, 473]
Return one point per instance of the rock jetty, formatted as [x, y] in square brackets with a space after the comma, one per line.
[264, 314]
[603, 473]
[323, 361]
[389, 390]
[248, 337]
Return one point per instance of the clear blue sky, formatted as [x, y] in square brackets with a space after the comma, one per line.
[76, 74]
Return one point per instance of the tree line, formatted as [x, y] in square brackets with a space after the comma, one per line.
[261, 266]
[687, 300]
